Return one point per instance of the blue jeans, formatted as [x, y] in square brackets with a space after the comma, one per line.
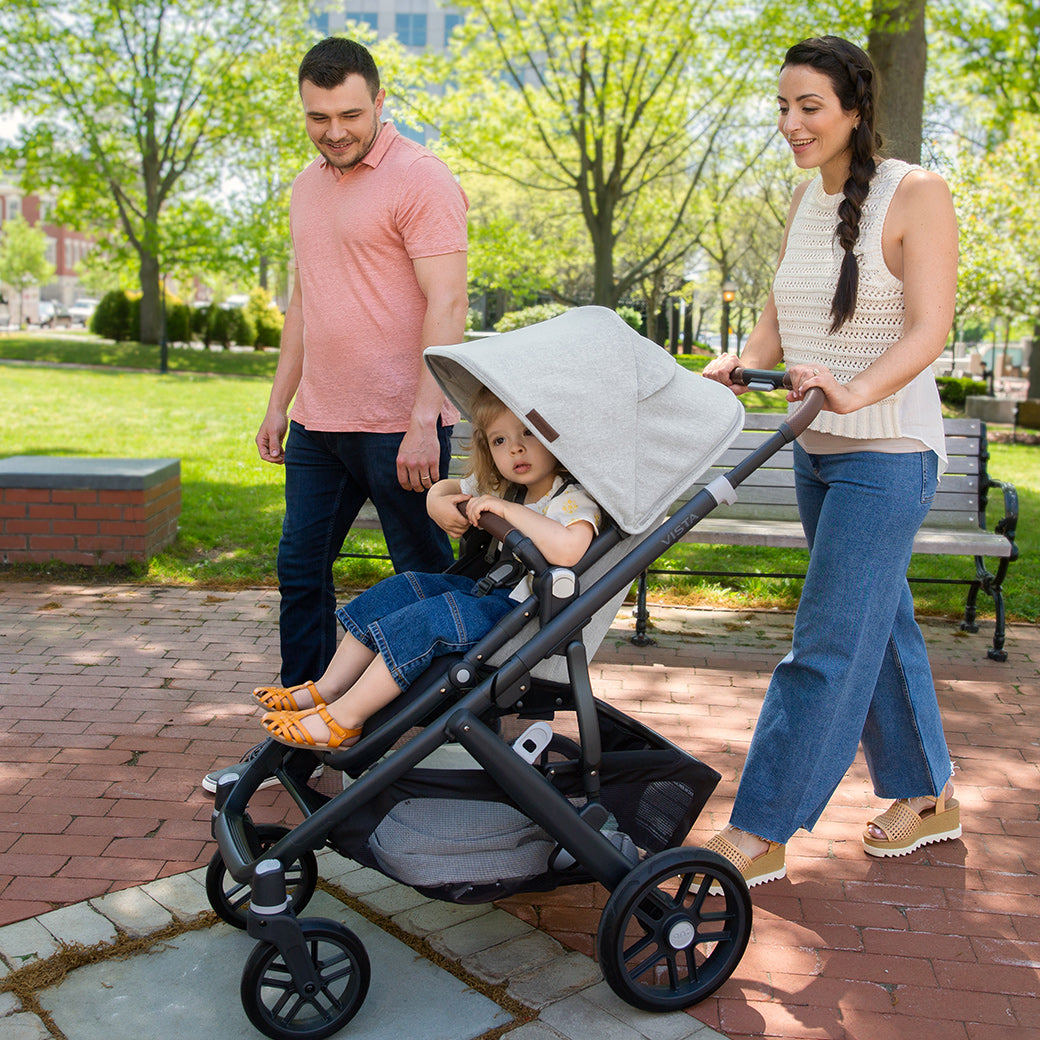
[328, 477]
[409, 619]
[858, 668]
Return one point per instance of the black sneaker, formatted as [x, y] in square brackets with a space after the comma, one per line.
[210, 780]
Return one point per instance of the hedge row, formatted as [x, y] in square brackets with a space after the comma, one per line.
[257, 324]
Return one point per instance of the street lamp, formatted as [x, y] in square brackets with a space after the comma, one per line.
[729, 294]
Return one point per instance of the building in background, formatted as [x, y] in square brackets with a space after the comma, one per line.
[65, 249]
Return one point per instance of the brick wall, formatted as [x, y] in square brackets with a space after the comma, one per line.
[87, 510]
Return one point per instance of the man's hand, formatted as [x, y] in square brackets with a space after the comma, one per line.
[418, 459]
[270, 436]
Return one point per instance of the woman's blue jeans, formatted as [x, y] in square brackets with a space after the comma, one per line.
[858, 669]
[328, 477]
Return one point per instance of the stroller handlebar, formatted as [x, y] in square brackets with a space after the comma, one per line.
[777, 379]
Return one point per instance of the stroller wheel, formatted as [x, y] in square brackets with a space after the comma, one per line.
[230, 899]
[665, 941]
[283, 1009]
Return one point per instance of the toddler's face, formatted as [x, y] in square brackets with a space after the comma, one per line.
[519, 455]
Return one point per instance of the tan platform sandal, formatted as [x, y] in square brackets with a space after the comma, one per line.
[757, 870]
[906, 830]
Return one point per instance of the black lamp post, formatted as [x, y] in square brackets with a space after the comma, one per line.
[729, 294]
[164, 365]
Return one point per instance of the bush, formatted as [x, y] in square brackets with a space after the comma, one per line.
[113, 317]
[227, 325]
[529, 316]
[266, 318]
[631, 317]
[953, 391]
[178, 323]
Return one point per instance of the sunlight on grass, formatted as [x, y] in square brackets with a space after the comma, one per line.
[232, 502]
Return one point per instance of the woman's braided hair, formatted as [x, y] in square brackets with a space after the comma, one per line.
[855, 82]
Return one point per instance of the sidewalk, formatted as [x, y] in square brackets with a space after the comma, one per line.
[116, 700]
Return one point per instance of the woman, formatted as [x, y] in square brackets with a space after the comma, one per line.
[861, 306]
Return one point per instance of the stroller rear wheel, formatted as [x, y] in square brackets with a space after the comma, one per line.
[665, 940]
[230, 899]
[283, 1009]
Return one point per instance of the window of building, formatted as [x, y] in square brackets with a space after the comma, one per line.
[450, 23]
[369, 18]
[411, 29]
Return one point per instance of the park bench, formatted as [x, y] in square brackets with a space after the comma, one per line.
[766, 514]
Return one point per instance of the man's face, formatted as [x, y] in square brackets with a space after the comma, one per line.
[342, 122]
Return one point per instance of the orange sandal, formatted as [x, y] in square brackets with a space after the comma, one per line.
[280, 698]
[287, 728]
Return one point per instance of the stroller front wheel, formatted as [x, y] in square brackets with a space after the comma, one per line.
[284, 1010]
[674, 929]
[230, 899]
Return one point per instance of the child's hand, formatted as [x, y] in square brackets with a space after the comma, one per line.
[485, 504]
[444, 512]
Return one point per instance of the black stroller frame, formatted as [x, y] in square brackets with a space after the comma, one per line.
[676, 922]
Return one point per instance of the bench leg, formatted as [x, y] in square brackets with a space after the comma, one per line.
[992, 585]
[639, 637]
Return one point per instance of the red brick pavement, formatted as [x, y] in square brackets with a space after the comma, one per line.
[114, 701]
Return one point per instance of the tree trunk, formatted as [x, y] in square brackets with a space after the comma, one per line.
[899, 50]
[1034, 362]
[150, 329]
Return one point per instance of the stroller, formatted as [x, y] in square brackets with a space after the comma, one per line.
[500, 771]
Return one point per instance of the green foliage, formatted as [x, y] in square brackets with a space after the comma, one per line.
[630, 316]
[23, 256]
[265, 317]
[178, 323]
[230, 325]
[132, 108]
[113, 317]
[529, 316]
[953, 391]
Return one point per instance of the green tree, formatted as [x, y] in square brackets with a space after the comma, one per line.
[999, 214]
[602, 109]
[23, 258]
[132, 105]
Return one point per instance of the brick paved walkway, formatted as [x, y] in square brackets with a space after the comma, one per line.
[114, 701]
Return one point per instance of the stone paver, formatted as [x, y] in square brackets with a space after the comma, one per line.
[115, 700]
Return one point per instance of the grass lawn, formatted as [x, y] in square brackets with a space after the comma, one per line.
[232, 502]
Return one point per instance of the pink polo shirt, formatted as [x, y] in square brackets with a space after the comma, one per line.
[355, 238]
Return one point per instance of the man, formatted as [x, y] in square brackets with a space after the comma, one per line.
[378, 226]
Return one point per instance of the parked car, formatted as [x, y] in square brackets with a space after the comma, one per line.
[53, 315]
[82, 309]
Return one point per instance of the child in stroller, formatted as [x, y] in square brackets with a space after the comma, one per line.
[395, 629]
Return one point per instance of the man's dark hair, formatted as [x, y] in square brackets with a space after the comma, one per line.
[329, 63]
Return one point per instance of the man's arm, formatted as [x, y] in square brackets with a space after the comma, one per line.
[443, 282]
[286, 380]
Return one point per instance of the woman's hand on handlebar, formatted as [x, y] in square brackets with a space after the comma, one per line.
[721, 370]
[805, 377]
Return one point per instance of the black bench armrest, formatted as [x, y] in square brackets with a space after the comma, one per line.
[1007, 525]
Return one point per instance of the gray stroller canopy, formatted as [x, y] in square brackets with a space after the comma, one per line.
[634, 427]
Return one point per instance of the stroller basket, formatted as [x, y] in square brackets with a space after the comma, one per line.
[453, 834]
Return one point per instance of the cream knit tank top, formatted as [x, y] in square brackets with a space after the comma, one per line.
[803, 290]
